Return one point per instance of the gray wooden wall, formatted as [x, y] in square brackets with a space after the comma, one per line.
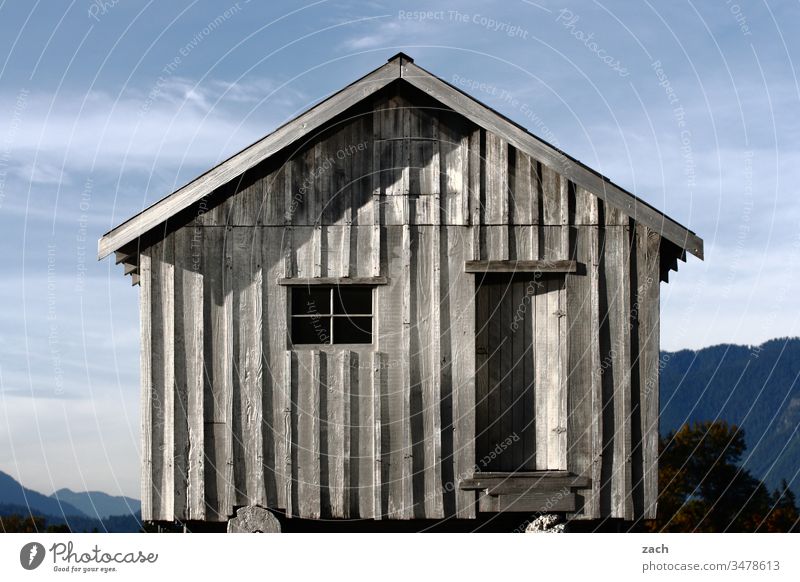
[233, 415]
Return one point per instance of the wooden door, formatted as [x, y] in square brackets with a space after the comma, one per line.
[521, 398]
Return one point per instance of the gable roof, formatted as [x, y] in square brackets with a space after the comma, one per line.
[400, 67]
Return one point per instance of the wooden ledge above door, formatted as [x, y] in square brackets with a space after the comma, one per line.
[540, 266]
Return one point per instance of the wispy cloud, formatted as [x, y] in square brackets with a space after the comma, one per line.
[179, 124]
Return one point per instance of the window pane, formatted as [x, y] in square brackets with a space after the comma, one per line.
[352, 300]
[311, 330]
[311, 300]
[352, 330]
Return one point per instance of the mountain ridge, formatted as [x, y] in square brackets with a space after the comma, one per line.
[12, 492]
[98, 504]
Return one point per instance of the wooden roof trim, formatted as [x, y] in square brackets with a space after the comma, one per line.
[250, 156]
[576, 171]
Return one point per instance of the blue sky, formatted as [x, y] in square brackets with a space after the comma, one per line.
[106, 106]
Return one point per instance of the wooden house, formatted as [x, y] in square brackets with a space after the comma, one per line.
[400, 305]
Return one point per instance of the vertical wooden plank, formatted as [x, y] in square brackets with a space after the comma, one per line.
[349, 369]
[554, 428]
[551, 196]
[390, 394]
[404, 497]
[345, 193]
[193, 301]
[453, 154]
[248, 282]
[593, 508]
[517, 378]
[326, 167]
[496, 180]
[474, 182]
[377, 453]
[497, 213]
[225, 358]
[146, 379]
[525, 203]
[526, 324]
[178, 437]
[288, 413]
[424, 203]
[482, 381]
[496, 340]
[163, 329]
[564, 207]
[649, 340]
[580, 373]
[273, 198]
[274, 341]
[617, 274]
[377, 198]
[562, 413]
[395, 173]
[464, 368]
[522, 190]
[433, 177]
[539, 309]
[291, 203]
[218, 355]
[505, 341]
[432, 372]
[188, 374]
[312, 379]
[318, 244]
[625, 369]
[338, 434]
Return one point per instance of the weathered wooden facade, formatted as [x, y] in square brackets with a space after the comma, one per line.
[505, 350]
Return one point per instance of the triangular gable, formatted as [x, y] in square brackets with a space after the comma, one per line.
[399, 67]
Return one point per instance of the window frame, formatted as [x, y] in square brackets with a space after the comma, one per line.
[331, 316]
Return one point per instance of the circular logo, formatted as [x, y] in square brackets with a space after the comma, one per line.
[31, 555]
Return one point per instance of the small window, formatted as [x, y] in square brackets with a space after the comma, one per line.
[331, 315]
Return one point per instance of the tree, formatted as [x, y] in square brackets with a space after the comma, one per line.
[703, 488]
[784, 515]
[21, 524]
